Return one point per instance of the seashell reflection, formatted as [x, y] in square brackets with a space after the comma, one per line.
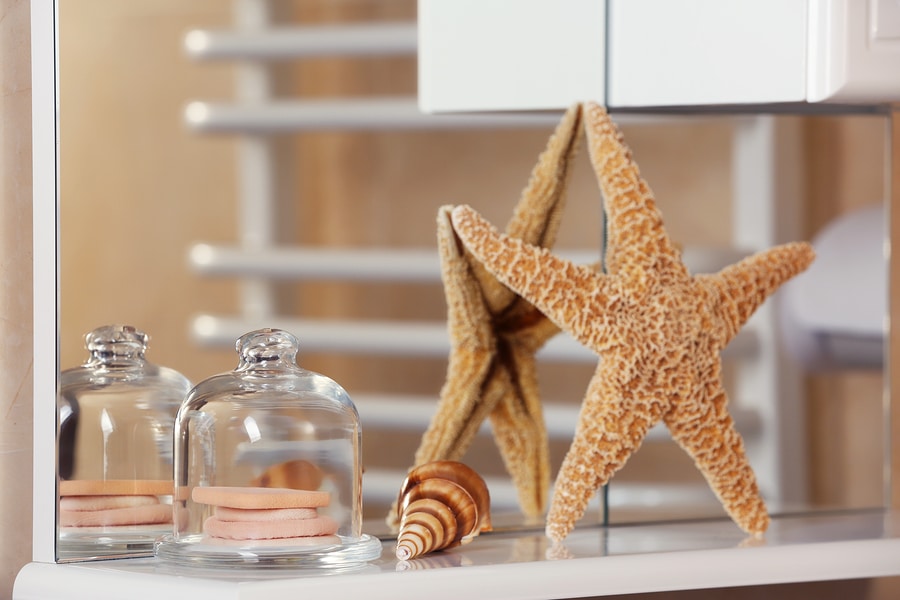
[442, 504]
[435, 561]
[293, 474]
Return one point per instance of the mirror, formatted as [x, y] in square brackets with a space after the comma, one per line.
[146, 196]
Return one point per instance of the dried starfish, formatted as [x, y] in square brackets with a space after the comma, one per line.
[494, 335]
[658, 329]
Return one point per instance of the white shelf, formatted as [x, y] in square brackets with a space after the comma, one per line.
[343, 114]
[420, 265]
[279, 43]
[413, 413]
[604, 561]
[387, 113]
[409, 338]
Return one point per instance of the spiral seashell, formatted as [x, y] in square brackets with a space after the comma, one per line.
[442, 504]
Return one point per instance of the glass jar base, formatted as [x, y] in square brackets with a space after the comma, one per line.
[133, 540]
[203, 551]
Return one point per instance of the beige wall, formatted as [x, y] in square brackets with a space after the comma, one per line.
[137, 188]
[15, 291]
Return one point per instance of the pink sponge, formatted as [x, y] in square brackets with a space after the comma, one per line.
[113, 503]
[268, 529]
[151, 514]
[224, 513]
[257, 513]
[259, 497]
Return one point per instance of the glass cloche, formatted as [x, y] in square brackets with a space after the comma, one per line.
[267, 466]
[116, 415]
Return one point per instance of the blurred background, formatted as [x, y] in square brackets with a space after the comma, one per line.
[141, 187]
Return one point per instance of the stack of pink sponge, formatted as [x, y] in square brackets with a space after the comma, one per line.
[113, 503]
[257, 513]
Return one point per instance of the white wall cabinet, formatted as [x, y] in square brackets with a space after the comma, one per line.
[534, 55]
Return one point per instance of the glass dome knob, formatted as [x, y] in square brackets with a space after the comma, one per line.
[116, 341]
[267, 348]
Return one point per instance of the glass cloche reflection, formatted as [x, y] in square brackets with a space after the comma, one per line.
[116, 415]
[268, 467]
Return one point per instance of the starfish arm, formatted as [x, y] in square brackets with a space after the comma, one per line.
[637, 244]
[572, 296]
[519, 430]
[706, 432]
[473, 347]
[611, 427]
[533, 328]
[537, 215]
[462, 407]
[468, 319]
[742, 287]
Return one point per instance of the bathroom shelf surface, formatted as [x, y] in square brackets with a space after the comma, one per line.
[594, 561]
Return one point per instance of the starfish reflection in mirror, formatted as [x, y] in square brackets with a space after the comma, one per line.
[494, 335]
[658, 330]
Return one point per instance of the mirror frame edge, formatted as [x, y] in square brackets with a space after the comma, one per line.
[45, 230]
[892, 364]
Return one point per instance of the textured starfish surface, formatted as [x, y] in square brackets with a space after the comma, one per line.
[494, 335]
[658, 330]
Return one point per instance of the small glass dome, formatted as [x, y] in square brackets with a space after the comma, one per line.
[116, 414]
[268, 467]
